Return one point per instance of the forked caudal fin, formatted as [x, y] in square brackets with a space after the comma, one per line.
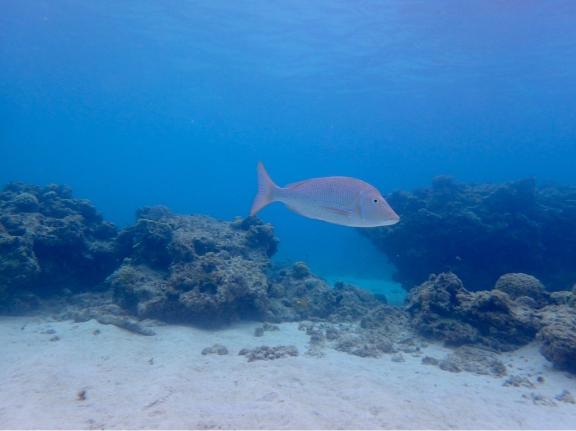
[266, 189]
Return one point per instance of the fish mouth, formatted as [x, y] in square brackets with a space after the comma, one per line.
[392, 220]
[388, 222]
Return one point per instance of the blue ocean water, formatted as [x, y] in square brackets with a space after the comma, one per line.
[173, 102]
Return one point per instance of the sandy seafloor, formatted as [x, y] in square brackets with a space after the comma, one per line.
[163, 381]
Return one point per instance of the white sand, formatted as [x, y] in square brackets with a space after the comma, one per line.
[40, 380]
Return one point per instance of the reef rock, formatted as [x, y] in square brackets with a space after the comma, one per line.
[266, 353]
[50, 241]
[297, 294]
[518, 381]
[198, 269]
[215, 349]
[473, 360]
[480, 232]
[193, 268]
[558, 336]
[566, 397]
[266, 327]
[518, 285]
[100, 307]
[442, 308]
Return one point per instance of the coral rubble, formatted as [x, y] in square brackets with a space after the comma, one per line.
[267, 353]
[100, 307]
[382, 330]
[473, 360]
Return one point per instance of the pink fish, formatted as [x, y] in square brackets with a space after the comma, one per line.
[341, 200]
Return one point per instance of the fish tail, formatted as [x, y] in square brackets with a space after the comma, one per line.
[266, 190]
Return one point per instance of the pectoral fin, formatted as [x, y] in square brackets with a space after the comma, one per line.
[339, 211]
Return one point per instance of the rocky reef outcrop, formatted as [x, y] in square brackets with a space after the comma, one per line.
[524, 286]
[480, 232]
[295, 294]
[192, 268]
[512, 314]
[166, 267]
[442, 308]
[198, 269]
[558, 335]
[50, 241]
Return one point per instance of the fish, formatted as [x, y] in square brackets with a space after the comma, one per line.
[344, 201]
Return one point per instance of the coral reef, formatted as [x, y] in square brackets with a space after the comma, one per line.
[198, 269]
[193, 268]
[518, 285]
[483, 231]
[558, 335]
[297, 294]
[442, 308]
[173, 268]
[50, 241]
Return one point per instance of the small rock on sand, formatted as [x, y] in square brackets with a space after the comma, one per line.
[566, 397]
[518, 381]
[268, 353]
[216, 349]
[429, 360]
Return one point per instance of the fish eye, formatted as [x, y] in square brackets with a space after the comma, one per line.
[375, 201]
